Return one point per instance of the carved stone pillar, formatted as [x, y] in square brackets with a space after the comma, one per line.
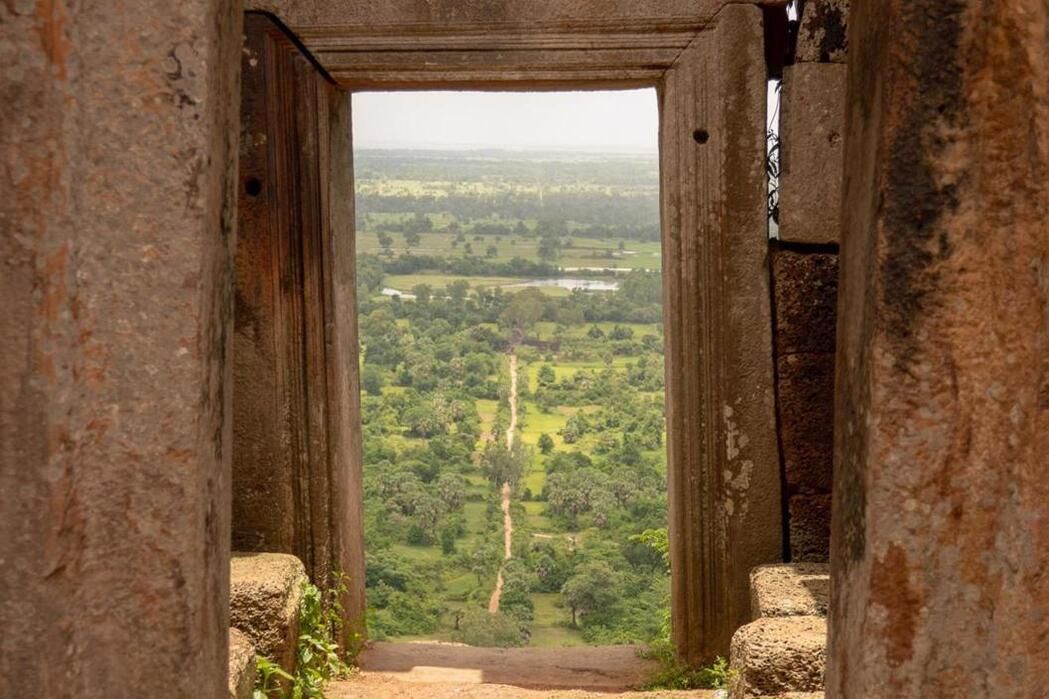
[725, 512]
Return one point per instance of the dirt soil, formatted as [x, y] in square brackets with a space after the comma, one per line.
[430, 670]
[507, 491]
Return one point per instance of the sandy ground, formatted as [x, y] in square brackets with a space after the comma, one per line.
[445, 670]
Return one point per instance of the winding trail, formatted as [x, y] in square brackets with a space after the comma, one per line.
[508, 523]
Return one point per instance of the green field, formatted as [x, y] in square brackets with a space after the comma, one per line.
[552, 624]
[583, 252]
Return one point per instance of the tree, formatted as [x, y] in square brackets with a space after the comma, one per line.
[447, 541]
[385, 242]
[369, 273]
[546, 443]
[422, 292]
[423, 421]
[592, 588]
[458, 290]
[549, 247]
[546, 375]
[526, 308]
[575, 427]
[451, 491]
[372, 381]
[502, 465]
[483, 562]
[491, 251]
[412, 239]
[420, 223]
[479, 628]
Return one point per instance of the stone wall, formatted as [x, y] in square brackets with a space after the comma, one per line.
[804, 272]
[805, 286]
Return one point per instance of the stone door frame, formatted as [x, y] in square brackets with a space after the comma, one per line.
[710, 76]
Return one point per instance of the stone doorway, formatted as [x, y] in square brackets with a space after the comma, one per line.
[299, 72]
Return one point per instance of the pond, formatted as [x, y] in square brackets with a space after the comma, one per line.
[572, 284]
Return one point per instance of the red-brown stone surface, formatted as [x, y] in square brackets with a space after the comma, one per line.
[117, 159]
[805, 285]
[941, 512]
[809, 527]
[806, 417]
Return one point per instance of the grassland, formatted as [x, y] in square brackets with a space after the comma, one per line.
[581, 252]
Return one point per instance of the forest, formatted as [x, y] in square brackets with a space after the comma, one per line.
[512, 397]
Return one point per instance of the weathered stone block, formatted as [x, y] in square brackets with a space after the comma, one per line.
[241, 665]
[777, 655]
[806, 418]
[790, 589]
[809, 527]
[264, 595]
[823, 32]
[806, 296]
[117, 166]
[812, 129]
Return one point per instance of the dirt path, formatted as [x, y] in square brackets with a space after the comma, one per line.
[451, 671]
[508, 522]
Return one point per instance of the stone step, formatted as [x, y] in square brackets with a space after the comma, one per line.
[264, 594]
[781, 653]
[789, 589]
[778, 655]
[241, 665]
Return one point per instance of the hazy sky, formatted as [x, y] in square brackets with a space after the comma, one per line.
[619, 120]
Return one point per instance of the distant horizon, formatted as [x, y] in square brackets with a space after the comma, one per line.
[597, 149]
[607, 121]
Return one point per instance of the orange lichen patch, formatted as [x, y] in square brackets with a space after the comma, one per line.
[46, 366]
[53, 20]
[891, 588]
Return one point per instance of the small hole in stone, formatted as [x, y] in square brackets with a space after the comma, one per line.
[700, 136]
[253, 186]
[824, 57]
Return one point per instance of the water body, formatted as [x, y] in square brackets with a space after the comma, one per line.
[573, 284]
